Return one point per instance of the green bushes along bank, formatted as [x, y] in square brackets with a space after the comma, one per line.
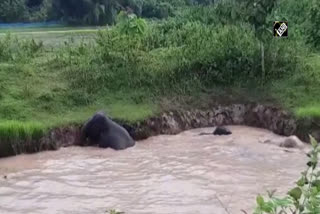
[131, 68]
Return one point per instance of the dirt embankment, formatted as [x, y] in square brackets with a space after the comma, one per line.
[174, 122]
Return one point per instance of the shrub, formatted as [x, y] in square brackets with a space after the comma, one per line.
[172, 54]
[314, 22]
[13, 10]
[155, 9]
[130, 24]
[304, 198]
[13, 49]
[218, 55]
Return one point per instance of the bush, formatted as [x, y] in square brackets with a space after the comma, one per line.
[314, 23]
[13, 49]
[155, 9]
[13, 10]
[304, 198]
[172, 54]
[223, 55]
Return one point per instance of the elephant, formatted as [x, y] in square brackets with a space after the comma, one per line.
[220, 130]
[106, 133]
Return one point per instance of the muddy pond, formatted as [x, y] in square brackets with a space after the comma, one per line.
[181, 174]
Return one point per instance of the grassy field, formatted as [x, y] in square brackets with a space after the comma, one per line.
[78, 71]
[36, 91]
[53, 36]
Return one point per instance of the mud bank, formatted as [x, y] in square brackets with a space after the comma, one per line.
[173, 122]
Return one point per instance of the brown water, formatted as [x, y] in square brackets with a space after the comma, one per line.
[182, 174]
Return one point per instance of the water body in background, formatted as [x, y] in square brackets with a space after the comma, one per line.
[32, 25]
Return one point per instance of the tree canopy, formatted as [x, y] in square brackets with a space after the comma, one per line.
[94, 12]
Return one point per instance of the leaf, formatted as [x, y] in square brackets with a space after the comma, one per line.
[285, 202]
[301, 208]
[267, 207]
[301, 182]
[295, 193]
[260, 201]
[233, 14]
[316, 184]
[314, 143]
[314, 191]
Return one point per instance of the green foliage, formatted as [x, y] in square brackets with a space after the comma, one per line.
[13, 49]
[115, 212]
[41, 12]
[156, 9]
[257, 11]
[287, 10]
[92, 12]
[130, 25]
[99, 12]
[312, 111]
[302, 199]
[12, 10]
[23, 10]
[299, 91]
[171, 53]
[21, 130]
[314, 23]
[19, 137]
[126, 67]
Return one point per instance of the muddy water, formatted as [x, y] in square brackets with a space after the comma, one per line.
[182, 174]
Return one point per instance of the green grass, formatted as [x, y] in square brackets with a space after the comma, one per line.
[34, 92]
[21, 130]
[308, 112]
[300, 91]
[49, 29]
[132, 78]
[39, 90]
[54, 36]
[20, 137]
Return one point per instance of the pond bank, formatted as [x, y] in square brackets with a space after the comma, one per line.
[173, 122]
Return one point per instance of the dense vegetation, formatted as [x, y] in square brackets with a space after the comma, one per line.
[304, 197]
[194, 48]
[223, 48]
[95, 12]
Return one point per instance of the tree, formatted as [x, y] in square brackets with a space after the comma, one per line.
[33, 3]
[130, 24]
[13, 10]
[314, 23]
[95, 12]
[256, 13]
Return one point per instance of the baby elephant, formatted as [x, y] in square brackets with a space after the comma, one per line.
[106, 133]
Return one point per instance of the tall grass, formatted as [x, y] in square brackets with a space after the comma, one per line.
[15, 50]
[199, 49]
[20, 137]
[176, 57]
